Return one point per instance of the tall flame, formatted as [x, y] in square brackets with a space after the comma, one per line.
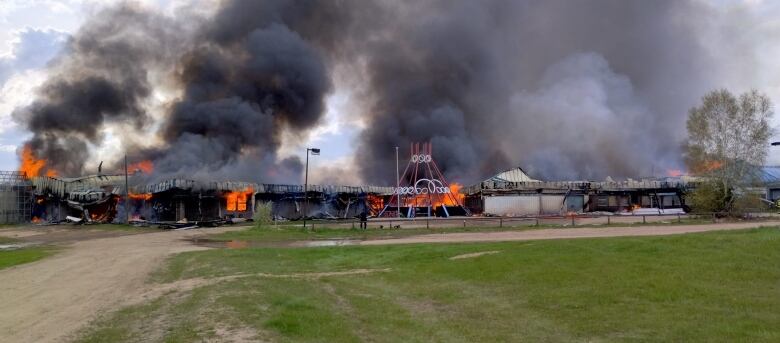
[32, 165]
[454, 198]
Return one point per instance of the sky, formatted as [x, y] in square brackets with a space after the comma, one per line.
[32, 32]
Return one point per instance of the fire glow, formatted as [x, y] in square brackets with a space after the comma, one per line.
[674, 172]
[31, 165]
[237, 201]
[145, 167]
[453, 198]
[140, 196]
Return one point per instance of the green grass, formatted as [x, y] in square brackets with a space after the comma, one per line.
[286, 233]
[9, 258]
[718, 286]
[297, 233]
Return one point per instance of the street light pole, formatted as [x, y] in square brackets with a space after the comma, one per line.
[314, 151]
[397, 185]
[127, 195]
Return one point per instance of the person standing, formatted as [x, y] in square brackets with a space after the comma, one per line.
[364, 219]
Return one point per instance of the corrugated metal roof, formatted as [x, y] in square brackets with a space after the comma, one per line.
[62, 186]
[512, 175]
[259, 188]
[770, 174]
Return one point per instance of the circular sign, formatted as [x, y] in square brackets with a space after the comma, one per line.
[424, 186]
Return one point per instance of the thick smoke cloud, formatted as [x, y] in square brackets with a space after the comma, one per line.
[564, 89]
[238, 98]
[100, 78]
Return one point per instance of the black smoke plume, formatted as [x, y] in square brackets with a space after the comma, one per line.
[564, 89]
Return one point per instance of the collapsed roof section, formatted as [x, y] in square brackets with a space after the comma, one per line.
[60, 187]
[115, 184]
[232, 186]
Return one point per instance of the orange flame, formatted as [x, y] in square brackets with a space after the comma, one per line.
[674, 172]
[375, 203]
[140, 196]
[454, 198]
[236, 201]
[712, 165]
[32, 165]
[144, 166]
[36, 220]
[457, 197]
[707, 167]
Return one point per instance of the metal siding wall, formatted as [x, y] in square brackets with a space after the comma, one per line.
[551, 204]
[513, 205]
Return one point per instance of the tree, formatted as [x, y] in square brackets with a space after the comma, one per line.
[728, 138]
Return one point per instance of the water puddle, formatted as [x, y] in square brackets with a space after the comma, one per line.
[239, 244]
[4, 247]
[328, 243]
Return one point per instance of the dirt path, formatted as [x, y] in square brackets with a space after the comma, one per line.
[529, 235]
[48, 300]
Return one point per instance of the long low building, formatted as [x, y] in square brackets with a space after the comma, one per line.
[512, 192]
[102, 198]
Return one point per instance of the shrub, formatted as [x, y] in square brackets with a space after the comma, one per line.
[709, 197]
[263, 215]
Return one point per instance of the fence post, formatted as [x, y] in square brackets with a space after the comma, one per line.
[644, 219]
[679, 219]
[609, 220]
[353, 224]
[572, 220]
[391, 224]
[537, 221]
[464, 222]
[713, 218]
[501, 222]
[427, 221]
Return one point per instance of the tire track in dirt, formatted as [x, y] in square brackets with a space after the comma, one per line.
[49, 300]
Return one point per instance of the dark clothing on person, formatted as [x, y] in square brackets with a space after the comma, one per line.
[363, 220]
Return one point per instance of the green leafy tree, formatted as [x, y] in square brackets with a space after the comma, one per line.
[728, 138]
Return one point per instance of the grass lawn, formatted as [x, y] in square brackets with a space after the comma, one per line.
[718, 286]
[295, 232]
[10, 258]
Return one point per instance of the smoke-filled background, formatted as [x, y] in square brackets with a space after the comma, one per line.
[566, 90]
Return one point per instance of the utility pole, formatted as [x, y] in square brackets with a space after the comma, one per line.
[127, 194]
[314, 151]
[397, 185]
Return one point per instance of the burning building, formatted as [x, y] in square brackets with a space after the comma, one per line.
[101, 198]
